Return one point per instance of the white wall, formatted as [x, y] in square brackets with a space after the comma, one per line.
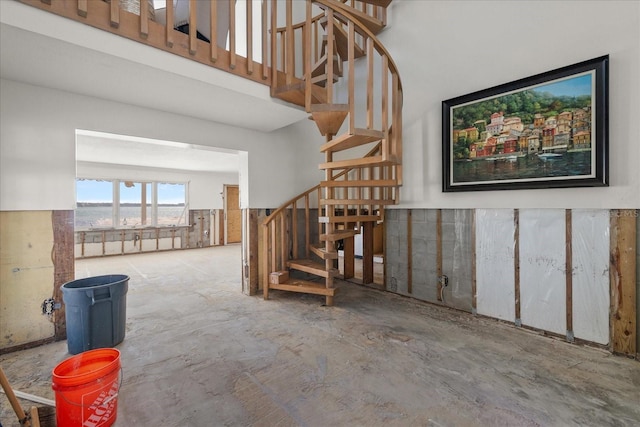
[449, 48]
[205, 188]
[37, 145]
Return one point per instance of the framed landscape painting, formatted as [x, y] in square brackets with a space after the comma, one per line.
[545, 131]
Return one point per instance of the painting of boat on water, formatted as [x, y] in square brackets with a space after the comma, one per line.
[545, 131]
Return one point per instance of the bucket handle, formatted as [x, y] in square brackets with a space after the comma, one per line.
[104, 402]
[105, 297]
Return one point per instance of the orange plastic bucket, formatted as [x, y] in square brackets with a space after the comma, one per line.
[86, 387]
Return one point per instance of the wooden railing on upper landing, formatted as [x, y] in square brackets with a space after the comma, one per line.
[239, 51]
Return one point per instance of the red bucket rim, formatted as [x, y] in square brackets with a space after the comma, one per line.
[61, 373]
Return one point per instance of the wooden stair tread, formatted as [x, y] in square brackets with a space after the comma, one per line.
[319, 68]
[357, 202]
[322, 80]
[351, 140]
[322, 253]
[342, 41]
[348, 218]
[295, 93]
[309, 266]
[329, 117]
[374, 25]
[304, 286]
[383, 3]
[355, 163]
[337, 235]
[361, 183]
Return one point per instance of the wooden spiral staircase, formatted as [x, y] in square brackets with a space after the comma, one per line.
[330, 63]
[350, 86]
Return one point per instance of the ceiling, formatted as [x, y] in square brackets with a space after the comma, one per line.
[95, 147]
[47, 50]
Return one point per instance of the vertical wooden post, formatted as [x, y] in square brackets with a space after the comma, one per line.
[367, 252]
[265, 261]
[384, 117]
[290, 44]
[114, 17]
[439, 252]
[348, 251]
[193, 24]
[213, 40]
[569, 273]
[168, 34]
[232, 34]
[622, 274]
[516, 265]
[409, 252]
[63, 263]
[274, 46]
[249, 37]
[82, 8]
[144, 19]
[265, 41]
[370, 108]
[474, 281]
[253, 252]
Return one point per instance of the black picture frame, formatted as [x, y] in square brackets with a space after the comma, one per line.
[549, 130]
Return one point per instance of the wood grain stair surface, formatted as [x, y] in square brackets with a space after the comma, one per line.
[383, 3]
[337, 235]
[342, 40]
[309, 266]
[304, 286]
[329, 117]
[351, 140]
[320, 67]
[322, 253]
[348, 219]
[357, 202]
[356, 163]
[361, 183]
[374, 25]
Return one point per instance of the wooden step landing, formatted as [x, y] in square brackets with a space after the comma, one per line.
[322, 253]
[329, 117]
[351, 140]
[361, 183]
[356, 163]
[348, 219]
[354, 202]
[337, 235]
[383, 3]
[320, 67]
[342, 40]
[374, 25]
[304, 286]
[309, 266]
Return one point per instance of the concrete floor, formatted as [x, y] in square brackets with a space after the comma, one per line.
[199, 353]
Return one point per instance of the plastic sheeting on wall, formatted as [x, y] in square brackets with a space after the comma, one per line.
[495, 278]
[543, 269]
[590, 274]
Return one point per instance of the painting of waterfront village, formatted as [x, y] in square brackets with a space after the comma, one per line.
[542, 134]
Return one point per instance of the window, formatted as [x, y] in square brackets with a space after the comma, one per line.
[129, 204]
[171, 204]
[135, 204]
[95, 203]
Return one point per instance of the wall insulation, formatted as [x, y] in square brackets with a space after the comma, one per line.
[495, 240]
[547, 269]
[590, 274]
[542, 269]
